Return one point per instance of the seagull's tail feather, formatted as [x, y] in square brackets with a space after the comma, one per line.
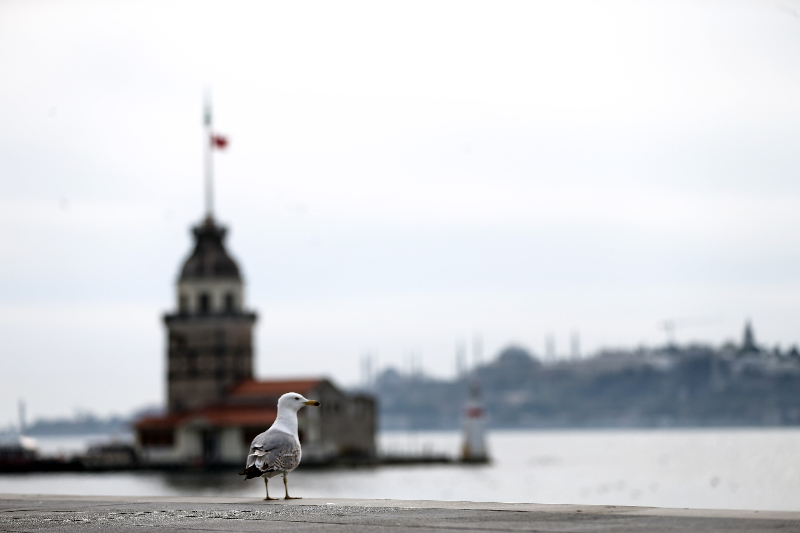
[250, 472]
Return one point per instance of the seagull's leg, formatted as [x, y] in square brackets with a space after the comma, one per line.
[266, 485]
[287, 491]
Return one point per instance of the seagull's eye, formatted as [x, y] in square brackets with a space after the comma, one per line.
[297, 397]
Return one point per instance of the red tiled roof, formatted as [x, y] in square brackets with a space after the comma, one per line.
[273, 388]
[241, 411]
[231, 415]
[160, 422]
[215, 415]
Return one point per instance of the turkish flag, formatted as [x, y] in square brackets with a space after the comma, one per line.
[219, 141]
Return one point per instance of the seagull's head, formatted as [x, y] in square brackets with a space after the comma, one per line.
[294, 401]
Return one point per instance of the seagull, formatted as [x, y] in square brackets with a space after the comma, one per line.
[277, 450]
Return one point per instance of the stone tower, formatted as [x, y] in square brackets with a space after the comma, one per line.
[210, 346]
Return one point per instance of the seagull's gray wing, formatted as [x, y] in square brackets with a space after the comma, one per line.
[268, 447]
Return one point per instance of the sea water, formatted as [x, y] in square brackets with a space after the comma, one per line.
[696, 468]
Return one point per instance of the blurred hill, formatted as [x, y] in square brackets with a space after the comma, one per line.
[85, 423]
[673, 386]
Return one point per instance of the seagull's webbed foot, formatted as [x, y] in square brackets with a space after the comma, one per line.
[286, 486]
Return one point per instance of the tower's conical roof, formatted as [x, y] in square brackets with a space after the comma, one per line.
[209, 258]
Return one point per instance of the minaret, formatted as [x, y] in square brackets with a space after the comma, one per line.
[210, 345]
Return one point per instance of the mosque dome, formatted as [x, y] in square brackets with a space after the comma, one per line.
[209, 260]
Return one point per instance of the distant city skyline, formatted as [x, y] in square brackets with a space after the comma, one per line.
[399, 180]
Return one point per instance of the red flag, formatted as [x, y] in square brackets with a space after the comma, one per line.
[219, 141]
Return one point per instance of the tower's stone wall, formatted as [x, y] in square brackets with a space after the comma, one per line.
[206, 355]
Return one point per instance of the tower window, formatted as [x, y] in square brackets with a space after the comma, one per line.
[205, 303]
[183, 303]
[229, 303]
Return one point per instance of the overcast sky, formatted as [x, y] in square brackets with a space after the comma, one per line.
[401, 178]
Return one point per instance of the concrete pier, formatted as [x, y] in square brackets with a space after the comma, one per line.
[33, 512]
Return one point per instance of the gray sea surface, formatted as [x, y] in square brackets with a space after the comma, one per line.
[696, 468]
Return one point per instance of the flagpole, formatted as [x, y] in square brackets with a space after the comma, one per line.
[209, 169]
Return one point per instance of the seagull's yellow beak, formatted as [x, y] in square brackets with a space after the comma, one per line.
[312, 402]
